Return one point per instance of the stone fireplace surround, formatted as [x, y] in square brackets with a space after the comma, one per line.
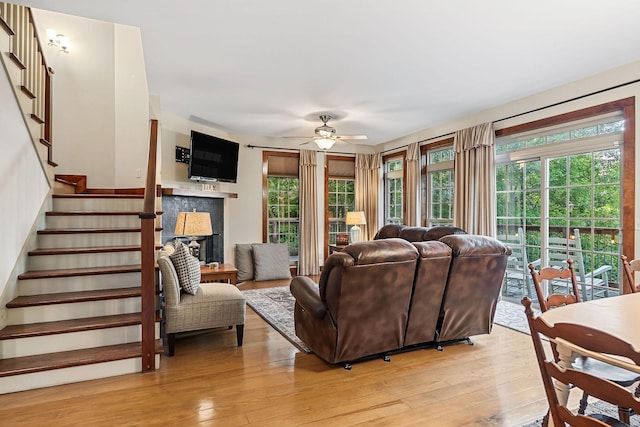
[179, 200]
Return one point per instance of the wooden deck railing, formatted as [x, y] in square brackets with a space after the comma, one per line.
[26, 52]
[147, 219]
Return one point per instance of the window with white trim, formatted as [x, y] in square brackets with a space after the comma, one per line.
[437, 186]
[393, 190]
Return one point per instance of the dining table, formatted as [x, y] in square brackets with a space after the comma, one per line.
[618, 316]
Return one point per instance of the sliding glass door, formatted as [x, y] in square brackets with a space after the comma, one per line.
[559, 197]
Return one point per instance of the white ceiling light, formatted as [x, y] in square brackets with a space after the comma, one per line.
[324, 143]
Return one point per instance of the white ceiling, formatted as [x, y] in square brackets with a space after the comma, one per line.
[385, 68]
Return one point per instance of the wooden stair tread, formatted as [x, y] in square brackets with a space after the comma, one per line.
[94, 213]
[72, 325]
[71, 272]
[69, 359]
[72, 297]
[50, 231]
[88, 250]
[98, 196]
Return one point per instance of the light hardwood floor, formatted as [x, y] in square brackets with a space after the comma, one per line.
[268, 382]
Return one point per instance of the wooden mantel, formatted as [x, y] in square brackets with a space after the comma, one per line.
[198, 193]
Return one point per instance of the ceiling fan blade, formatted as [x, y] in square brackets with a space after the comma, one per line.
[307, 142]
[295, 137]
[352, 137]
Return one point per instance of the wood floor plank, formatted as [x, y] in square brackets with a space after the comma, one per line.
[268, 382]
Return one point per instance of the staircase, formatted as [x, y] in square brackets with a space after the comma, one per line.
[78, 313]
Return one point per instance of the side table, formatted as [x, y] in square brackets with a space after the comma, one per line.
[225, 272]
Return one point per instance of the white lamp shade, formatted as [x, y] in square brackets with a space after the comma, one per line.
[355, 218]
[193, 224]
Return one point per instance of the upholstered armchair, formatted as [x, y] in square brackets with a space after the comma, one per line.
[214, 305]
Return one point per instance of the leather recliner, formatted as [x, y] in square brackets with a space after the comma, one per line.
[388, 294]
[361, 305]
[417, 234]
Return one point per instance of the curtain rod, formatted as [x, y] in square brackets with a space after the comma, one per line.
[531, 111]
[295, 149]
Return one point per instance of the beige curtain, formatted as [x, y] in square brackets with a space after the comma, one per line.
[308, 256]
[474, 186]
[413, 184]
[367, 184]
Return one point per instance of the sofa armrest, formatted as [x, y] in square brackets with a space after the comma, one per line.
[170, 284]
[307, 294]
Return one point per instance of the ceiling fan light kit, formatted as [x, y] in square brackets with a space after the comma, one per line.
[325, 135]
[324, 143]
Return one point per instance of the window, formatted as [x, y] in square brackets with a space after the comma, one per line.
[281, 206]
[393, 189]
[563, 183]
[340, 196]
[437, 186]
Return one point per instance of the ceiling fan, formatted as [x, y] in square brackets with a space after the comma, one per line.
[325, 135]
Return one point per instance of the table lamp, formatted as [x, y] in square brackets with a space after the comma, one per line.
[355, 218]
[193, 224]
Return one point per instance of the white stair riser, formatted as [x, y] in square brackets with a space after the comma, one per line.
[88, 240]
[72, 375]
[54, 312]
[93, 221]
[97, 205]
[71, 341]
[78, 283]
[102, 259]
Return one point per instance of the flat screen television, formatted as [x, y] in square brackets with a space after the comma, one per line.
[212, 158]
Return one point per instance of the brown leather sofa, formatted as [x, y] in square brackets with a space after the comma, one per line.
[417, 234]
[389, 294]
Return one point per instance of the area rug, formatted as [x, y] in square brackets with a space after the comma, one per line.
[275, 306]
[511, 315]
[597, 407]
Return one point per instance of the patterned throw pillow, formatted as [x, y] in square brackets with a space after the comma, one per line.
[187, 268]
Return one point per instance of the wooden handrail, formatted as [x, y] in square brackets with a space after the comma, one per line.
[36, 79]
[147, 219]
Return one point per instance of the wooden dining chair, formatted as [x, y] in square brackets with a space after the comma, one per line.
[599, 387]
[630, 267]
[551, 274]
[620, 376]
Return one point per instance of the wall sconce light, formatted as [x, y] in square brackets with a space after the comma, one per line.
[58, 40]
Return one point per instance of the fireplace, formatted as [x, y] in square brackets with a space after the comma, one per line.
[211, 247]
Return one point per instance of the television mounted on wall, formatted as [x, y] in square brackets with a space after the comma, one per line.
[212, 158]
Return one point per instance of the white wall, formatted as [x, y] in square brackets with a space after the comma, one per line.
[131, 109]
[176, 131]
[23, 189]
[242, 215]
[100, 100]
[600, 82]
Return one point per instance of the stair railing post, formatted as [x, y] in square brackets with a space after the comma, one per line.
[147, 218]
